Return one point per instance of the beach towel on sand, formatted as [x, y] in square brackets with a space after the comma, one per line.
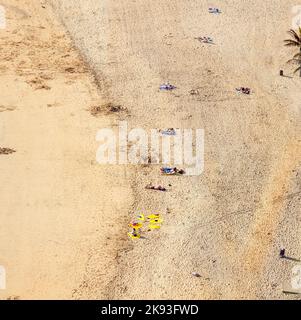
[167, 86]
[168, 132]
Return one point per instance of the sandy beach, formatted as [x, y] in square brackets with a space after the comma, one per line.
[64, 217]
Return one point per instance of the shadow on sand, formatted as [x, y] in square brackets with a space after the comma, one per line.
[291, 259]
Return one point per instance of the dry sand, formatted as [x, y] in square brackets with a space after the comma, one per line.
[64, 217]
[57, 209]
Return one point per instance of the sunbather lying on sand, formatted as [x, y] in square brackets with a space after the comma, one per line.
[244, 90]
[135, 225]
[151, 187]
[168, 132]
[167, 86]
[153, 216]
[214, 10]
[134, 234]
[205, 40]
[172, 171]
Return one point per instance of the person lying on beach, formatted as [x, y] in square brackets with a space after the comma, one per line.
[134, 234]
[205, 40]
[172, 171]
[159, 188]
[141, 217]
[244, 90]
[135, 225]
[153, 216]
[167, 86]
[168, 132]
[214, 10]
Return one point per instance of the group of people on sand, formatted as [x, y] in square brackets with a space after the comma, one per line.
[154, 222]
[155, 219]
[209, 40]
